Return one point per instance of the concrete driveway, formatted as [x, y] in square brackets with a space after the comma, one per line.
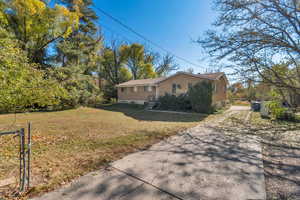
[200, 163]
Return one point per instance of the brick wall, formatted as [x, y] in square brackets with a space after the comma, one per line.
[140, 95]
[183, 80]
[220, 94]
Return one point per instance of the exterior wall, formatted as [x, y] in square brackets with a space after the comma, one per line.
[182, 79]
[220, 94]
[139, 96]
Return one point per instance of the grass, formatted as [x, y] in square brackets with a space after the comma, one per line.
[68, 144]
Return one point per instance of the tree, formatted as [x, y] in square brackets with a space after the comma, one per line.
[22, 85]
[83, 44]
[166, 66]
[113, 69]
[138, 61]
[81, 88]
[190, 70]
[255, 36]
[36, 25]
[113, 65]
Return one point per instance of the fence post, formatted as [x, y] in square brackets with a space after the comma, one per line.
[28, 155]
[20, 158]
[23, 161]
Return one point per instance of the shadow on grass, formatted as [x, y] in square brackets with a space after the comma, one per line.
[137, 112]
[179, 169]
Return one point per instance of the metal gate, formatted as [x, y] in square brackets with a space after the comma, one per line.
[24, 155]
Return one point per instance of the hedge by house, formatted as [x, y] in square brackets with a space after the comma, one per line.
[197, 99]
[200, 96]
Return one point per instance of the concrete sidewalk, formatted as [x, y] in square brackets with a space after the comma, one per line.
[201, 163]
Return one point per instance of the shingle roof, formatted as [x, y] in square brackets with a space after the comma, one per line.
[213, 76]
[153, 81]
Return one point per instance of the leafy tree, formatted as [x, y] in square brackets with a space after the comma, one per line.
[255, 36]
[113, 65]
[138, 61]
[83, 45]
[22, 85]
[36, 25]
[81, 89]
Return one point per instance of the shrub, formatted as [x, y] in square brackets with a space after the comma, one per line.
[279, 112]
[198, 99]
[172, 102]
[200, 96]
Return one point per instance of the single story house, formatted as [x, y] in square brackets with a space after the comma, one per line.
[146, 90]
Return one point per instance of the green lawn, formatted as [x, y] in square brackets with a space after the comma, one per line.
[67, 144]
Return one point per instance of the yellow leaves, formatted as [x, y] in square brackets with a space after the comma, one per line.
[67, 20]
[29, 7]
[42, 19]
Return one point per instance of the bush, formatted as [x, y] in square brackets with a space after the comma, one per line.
[198, 99]
[279, 112]
[172, 102]
[200, 96]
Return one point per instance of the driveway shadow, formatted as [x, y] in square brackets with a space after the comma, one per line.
[280, 155]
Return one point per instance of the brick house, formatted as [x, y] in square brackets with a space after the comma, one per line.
[145, 90]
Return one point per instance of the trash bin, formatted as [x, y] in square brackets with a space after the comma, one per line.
[255, 106]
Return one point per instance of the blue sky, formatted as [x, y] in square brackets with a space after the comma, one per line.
[172, 24]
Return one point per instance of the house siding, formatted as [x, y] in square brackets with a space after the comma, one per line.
[136, 96]
[181, 79]
[219, 95]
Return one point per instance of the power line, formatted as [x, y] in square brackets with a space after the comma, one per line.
[114, 32]
[143, 37]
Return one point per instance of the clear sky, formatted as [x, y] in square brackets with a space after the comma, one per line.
[172, 24]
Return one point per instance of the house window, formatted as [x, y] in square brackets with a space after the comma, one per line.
[174, 88]
[135, 89]
[179, 86]
[215, 87]
[147, 88]
[132, 89]
[122, 89]
[190, 85]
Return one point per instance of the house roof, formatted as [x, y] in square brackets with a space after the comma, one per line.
[154, 81]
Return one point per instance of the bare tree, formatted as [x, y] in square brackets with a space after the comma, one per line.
[256, 36]
[166, 65]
